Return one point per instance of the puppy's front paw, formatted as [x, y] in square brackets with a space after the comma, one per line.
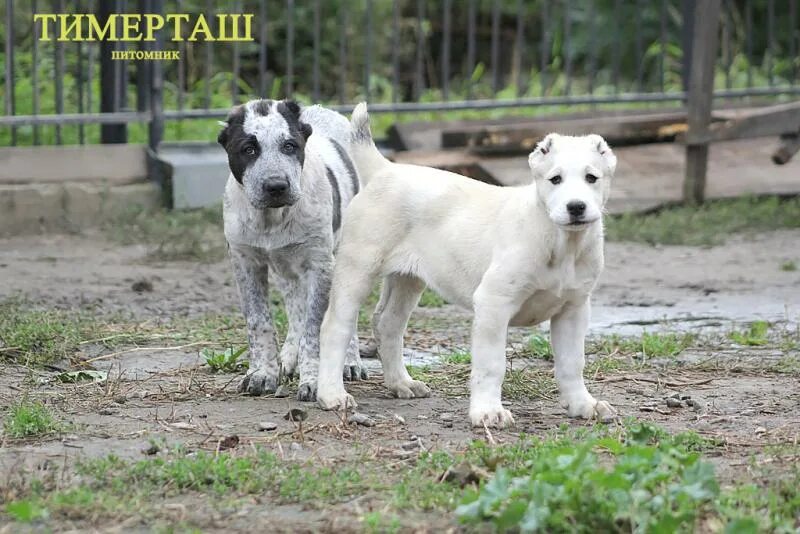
[259, 382]
[335, 400]
[353, 368]
[288, 363]
[496, 417]
[307, 392]
[409, 389]
[590, 408]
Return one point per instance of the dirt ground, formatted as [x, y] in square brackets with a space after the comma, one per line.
[170, 395]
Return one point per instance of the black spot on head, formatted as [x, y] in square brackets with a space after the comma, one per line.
[261, 107]
[234, 139]
[298, 131]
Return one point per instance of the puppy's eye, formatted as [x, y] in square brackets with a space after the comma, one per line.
[555, 180]
[249, 150]
[591, 178]
[289, 147]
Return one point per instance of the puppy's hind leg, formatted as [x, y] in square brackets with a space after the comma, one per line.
[399, 297]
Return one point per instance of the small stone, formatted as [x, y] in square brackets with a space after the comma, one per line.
[410, 445]
[672, 402]
[446, 417]
[282, 392]
[646, 409]
[361, 419]
[142, 286]
[266, 426]
[152, 450]
[400, 419]
[296, 414]
[296, 447]
[760, 430]
[120, 399]
[229, 442]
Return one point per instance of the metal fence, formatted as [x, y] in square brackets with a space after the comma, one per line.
[401, 55]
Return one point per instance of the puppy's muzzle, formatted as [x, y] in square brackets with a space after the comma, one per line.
[577, 211]
[276, 192]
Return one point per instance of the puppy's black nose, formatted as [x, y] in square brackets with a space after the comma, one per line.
[276, 185]
[576, 208]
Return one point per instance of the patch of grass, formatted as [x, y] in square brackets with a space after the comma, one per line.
[226, 361]
[193, 235]
[29, 419]
[38, 336]
[458, 357]
[648, 344]
[755, 335]
[539, 347]
[431, 299]
[707, 225]
[789, 266]
[789, 364]
[632, 478]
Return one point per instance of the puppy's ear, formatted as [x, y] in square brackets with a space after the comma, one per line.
[306, 130]
[542, 149]
[602, 147]
[236, 115]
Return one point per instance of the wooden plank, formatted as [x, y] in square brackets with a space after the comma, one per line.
[118, 164]
[522, 138]
[700, 98]
[763, 122]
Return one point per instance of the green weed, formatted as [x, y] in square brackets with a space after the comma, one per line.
[458, 357]
[755, 335]
[539, 347]
[431, 299]
[29, 419]
[226, 361]
[788, 266]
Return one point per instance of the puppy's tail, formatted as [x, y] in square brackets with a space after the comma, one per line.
[366, 155]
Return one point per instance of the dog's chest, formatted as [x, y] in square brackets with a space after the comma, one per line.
[555, 286]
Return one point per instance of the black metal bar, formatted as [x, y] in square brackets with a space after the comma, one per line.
[9, 70]
[237, 8]
[315, 69]
[395, 50]
[122, 71]
[639, 43]
[262, 49]
[622, 98]
[142, 68]
[343, 24]
[156, 129]
[420, 44]
[727, 29]
[544, 53]
[446, 50]
[109, 132]
[368, 51]
[58, 7]
[592, 63]
[520, 49]
[567, 47]
[290, 48]
[209, 63]
[79, 77]
[748, 31]
[470, 46]
[616, 54]
[90, 69]
[794, 32]
[771, 42]
[495, 46]
[35, 72]
[181, 63]
[662, 37]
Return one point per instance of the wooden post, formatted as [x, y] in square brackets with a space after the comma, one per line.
[701, 87]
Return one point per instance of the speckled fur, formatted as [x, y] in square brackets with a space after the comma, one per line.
[290, 245]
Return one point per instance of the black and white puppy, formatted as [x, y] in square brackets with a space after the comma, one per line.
[291, 178]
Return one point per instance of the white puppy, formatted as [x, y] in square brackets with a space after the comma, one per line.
[515, 256]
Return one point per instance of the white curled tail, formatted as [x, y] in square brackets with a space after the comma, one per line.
[366, 156]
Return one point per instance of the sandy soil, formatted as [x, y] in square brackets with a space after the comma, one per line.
[667, 288]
